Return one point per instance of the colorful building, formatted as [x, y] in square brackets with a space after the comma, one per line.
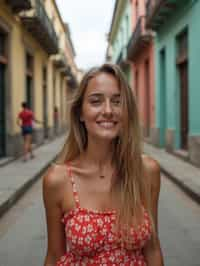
[36, 66]
[119, 35]
[177, 57]
[140, 53]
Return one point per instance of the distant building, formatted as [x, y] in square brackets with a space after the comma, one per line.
[119, 35]
[140, 53]
[36, 63]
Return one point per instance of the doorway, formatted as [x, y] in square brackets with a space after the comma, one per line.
[3, 65]
[45, 103]
[183, 75]
[163, 95]
[182, 66]
[147, 98]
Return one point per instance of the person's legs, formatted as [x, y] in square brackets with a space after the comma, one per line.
[30, 146]
[26, 147]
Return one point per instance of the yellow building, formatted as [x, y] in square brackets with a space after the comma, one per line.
[37, 66]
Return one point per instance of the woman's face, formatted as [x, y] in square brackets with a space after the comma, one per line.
[101, 108]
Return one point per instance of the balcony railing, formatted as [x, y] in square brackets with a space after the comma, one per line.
[66, 70]
[71, 80]
[122, 58]
[119, 58]
[158, 11]
[40, 26]
[140, 37]
[19, 5]
[60, 60]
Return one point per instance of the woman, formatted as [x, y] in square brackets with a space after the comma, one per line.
[101, 198]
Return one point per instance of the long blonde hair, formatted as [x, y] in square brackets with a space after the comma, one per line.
[132, 186]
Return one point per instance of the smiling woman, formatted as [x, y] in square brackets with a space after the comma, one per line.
[101, 197]
[101, 109]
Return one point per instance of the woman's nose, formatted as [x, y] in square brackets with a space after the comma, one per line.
[107, 108]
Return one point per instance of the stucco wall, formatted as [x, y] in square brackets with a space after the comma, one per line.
[187, 16]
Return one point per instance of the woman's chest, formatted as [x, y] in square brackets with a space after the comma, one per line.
[94, 232]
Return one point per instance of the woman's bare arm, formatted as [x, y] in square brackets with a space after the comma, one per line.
[152, 250]
[52, 192]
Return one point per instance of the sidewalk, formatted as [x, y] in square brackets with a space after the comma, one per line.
[17, 176]
[182, 173]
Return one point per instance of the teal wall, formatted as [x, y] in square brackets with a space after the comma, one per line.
[123, 33]
[122, 36]
[167, 91]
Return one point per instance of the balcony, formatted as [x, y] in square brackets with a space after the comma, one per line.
[158, 11]
[121, 59]
[66, 70]
[19, 5]
[37, 22]
[139, 39]
[72, 82]
[59, 60]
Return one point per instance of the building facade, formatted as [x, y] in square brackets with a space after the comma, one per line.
[119, 35]
[33, 68]
[140, 53]
[177, 58]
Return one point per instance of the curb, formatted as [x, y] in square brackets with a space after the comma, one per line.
[17, 194]
[191, 193]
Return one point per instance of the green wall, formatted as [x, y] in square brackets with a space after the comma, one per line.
[122, 36]
[168, 94]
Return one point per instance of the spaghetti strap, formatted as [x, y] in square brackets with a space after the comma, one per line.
[75, 193]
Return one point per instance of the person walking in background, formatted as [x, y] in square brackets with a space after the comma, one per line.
[25, 120]
[101, 196]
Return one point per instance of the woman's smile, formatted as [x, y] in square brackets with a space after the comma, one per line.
[107, 124]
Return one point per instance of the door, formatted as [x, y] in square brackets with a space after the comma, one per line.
[29, 91]
[147, 98]
[183, 72]
[45, 103]
[163, 95]
[2, 110]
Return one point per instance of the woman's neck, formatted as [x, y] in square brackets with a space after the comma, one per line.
[99, 153]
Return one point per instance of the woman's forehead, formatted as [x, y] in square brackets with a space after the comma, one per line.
[103, 82]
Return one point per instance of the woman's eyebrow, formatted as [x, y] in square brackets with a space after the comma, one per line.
[95, 94]
[99, 94]
[116, 95]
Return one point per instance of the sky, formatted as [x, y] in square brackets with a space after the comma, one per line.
[89, 22]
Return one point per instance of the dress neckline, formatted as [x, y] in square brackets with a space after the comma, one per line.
[77, 201]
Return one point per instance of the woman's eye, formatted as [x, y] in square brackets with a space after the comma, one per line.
[95, 101]
[116, 102]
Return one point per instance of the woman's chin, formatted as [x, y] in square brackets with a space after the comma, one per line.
[106, 137]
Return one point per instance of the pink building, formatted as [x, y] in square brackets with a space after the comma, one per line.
[141, 55]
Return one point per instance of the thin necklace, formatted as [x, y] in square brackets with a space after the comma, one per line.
[100, 169]
[101, 174]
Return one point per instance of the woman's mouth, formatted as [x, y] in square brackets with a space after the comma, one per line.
[107, 124]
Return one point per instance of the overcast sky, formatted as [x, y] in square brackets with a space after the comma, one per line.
[89, 22]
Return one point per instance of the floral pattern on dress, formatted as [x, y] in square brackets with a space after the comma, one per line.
[91, 240]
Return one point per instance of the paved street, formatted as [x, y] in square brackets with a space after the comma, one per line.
[22, 229]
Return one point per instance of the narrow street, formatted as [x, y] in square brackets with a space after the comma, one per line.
[22, 229]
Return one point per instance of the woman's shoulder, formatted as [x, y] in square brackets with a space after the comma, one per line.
[55, 177]
[152, 170]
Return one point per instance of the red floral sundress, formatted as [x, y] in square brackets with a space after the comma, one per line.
[91, 240]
